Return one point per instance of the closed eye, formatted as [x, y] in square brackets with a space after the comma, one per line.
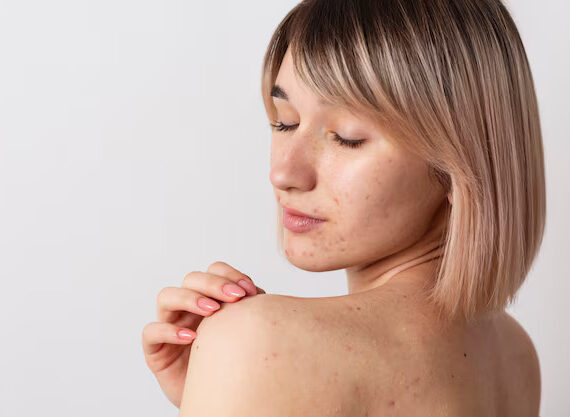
[280, 127]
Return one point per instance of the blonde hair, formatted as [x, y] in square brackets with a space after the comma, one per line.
[451, 82]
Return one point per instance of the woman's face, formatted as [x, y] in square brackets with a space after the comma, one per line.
[377, 199]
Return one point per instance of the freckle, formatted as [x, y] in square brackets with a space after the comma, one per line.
[415, 381]
[453, 376]
[464, 354]
[294, 310]
[358, 308]
[197, 347]
[274, 354]
[392, 403]
[348, 347]
[368, 196]
[342, 239]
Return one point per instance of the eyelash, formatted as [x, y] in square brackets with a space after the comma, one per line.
[280, 127]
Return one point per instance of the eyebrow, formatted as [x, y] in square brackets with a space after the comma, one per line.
[278, 92]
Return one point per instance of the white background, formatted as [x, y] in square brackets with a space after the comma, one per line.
[134, 148]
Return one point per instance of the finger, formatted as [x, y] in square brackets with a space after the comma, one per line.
[214, 286]
[172, 300]
[223, 269]
[155, 334]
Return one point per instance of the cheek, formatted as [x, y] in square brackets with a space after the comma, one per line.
[376, 200]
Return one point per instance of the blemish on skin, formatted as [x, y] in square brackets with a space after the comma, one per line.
[348, 347]
[415, 381]
[274, 354]
[274, 322]
[312, 254]
[294, 310]
[265, 358]
[392, 403]
[452, 376]
[358, 308]
[336, 200]
[464, 354]
[197, 347]
[367, 196]
[342, 239]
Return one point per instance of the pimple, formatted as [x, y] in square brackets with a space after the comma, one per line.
[336, 201]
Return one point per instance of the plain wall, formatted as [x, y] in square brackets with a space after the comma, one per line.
[134, 148]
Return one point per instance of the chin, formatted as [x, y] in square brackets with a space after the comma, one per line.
[313, 261]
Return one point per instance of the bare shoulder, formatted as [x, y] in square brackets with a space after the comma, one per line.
[522, 361]
[260, 355]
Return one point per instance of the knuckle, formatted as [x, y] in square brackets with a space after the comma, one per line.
[217, 266]
[189, 276]
[146, 330]
[161, 294]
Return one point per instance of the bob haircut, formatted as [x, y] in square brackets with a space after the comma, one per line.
[449, 80]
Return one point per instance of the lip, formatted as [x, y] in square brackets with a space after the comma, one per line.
[299, 213]
[299, 222]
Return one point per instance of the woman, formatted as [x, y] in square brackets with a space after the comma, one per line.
[406, 134]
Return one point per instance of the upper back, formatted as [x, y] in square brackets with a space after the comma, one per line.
[379, 361]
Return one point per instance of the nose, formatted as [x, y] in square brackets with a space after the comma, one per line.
[292, 163]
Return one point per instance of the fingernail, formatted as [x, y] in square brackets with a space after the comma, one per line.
[248, 286]
[233, 289]
[207, 304]
[185, 334]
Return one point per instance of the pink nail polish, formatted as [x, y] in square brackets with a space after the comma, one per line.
[185, 334]
[207, 304]
[233, 290]
[248, 286]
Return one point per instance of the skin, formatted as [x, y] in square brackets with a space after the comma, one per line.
[380, 350]
[383, 211]
[384, 218]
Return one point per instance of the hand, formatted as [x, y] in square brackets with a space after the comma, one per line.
[166, 350]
